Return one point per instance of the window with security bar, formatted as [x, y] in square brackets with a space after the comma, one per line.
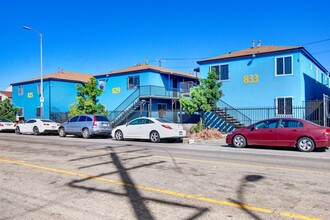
[284, 105]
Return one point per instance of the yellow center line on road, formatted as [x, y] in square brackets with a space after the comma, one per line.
[221, 162]
[167, 192]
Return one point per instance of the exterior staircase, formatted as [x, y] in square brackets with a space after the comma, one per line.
[226, 118]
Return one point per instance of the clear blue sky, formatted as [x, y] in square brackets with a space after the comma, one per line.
[97, 36]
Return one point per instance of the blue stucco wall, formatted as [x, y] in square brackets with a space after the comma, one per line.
[58, 95]
[29, 104]
[269, 86]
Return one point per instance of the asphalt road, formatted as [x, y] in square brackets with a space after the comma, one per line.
[48, 177]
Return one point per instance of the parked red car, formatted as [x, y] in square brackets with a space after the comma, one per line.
[291, 132]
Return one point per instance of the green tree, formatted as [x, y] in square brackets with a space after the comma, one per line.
[87, 102]
[7, 110]
[204, 97]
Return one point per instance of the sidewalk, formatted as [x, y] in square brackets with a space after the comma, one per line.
[192, 141]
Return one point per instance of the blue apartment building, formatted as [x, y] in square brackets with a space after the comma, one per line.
[144, 90]
[276, 78]
[59, 92]
[258, 82]
[140, 90]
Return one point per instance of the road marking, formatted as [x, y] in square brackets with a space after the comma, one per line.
[221, 162]
[167, 192]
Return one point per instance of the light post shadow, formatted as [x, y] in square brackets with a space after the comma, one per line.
[241, 192]
[138, 202]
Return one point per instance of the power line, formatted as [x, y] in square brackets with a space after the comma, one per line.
[316, 42]
[325, 51]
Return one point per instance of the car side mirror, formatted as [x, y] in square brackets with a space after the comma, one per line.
[252, 128]
[126, 124]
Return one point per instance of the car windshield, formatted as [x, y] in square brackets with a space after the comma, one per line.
[5, 120]
[161, 120]
[101, 118]
[45, 120]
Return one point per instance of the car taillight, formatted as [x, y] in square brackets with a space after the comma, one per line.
[46, 124]
[1, 125]
[58, 124]
[167, 126]
[327, 131]
[94, 123]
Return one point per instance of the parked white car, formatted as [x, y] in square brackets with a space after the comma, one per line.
[37, 126]
[6, 125]
[153, 129]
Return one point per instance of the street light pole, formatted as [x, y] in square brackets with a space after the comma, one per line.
[41, 74]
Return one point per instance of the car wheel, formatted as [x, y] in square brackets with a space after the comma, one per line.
[305, 144]
[239, 141]
[119, 135]
[17, 130]
[36, 130]
[154, 137]
[62, 132]
[85, 133]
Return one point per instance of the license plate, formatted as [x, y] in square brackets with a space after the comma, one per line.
[54, 127]
[180, 132]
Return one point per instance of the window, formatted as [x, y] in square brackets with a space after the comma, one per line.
[133, 82]
[267, 124]
[102, 84]
[38, 112]
[316, 74]
[284, 66]
[291, 124]
[146, 121]
[82, 118]
[20, 90]
[222, 71]
[31, 121]
[101, 118]
[38, 89]
[135, 122]
[74, 119]
[284, 105]
[162, 110]
[20, 112]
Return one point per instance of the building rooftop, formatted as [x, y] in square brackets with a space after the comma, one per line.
[147, 67]
[62, 75]
[252, 50]
[6, 93]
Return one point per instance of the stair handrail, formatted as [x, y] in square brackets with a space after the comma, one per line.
[239, 115]
[125, 104]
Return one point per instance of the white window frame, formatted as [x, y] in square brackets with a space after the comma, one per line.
[102, 83]
[219, 65]
[284, 66]
[285, 97]
[316, 74]
[20, 90]
[134, 86]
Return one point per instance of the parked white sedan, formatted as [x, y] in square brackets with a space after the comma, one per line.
[6, 125]
[37, 126]
[153, 129]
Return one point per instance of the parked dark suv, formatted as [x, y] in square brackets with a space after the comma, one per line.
[86, 126]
